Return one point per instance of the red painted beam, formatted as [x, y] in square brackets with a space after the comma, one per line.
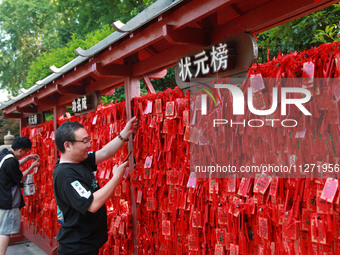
[194, 10]
[266, 16]
[163, 60]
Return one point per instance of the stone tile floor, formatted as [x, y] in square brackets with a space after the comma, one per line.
[24, 248]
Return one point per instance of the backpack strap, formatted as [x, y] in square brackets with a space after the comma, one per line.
[6, 157]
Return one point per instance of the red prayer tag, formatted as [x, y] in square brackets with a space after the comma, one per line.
[329, 190]
[301, 133]
[234, 249]
[186, 117]
[222, 216]
[166, 227]
[256, 82]
[308, 74]
[258, 101]
[289, 228]
[318, 235]
[213, 186]
[220, 236]
[305, 224]
[322, 206]
[261, 183]
[244, 187]
[274, 184]
[187, 134]
[117, 222]
[148, 108]
[336, 90]
[219, 250]
[108, 173]
[139, 196]
[232, 185]
[192, 180]
[170, 109]
[158, 103]
[193, 243]
[263, 228]
[148, 162]
[196, 219]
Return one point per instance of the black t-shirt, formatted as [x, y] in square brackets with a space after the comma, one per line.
[81, 231]
[10, 179]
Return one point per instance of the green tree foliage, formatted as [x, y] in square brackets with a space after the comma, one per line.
[39, 69]
[26, 30]
[46, 32]
[300, 34]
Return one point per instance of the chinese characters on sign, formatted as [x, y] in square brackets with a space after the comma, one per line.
[218, 58]
[81, 104]
[33, 120]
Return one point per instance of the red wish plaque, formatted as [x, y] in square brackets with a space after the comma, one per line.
[256, 82]
[329, 190]
[263, 228]
[170, 109]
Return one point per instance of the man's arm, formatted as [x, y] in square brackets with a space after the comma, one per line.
[112, 147]
[106, 192]
[24, 160]
[28, 170]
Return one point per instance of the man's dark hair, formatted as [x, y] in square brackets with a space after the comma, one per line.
[66, 133]
[20, 142]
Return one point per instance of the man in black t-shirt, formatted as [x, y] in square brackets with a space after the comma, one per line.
[80, 202]
[11, 200]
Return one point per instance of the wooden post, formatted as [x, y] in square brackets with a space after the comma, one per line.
[57, 112]
[132, 89]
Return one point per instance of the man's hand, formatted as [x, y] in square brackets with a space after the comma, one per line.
[130, 127]
[35, 163]
[118, 171]
[33, 156]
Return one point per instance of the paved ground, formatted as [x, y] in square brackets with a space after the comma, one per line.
[24, 248]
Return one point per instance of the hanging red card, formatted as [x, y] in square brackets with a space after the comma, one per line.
[166, 227]
[337, 225]
[213, 186]
[222, 216]
[244, 187]
[258, 101]
[263, 228]
[186, 117]
[219, 250]
[220, 236]
[158, 104]
[148, 162]
[289, 228]
[305, 221]
[323, 206]
[187, 134]
[170, 109]
[318, 235]
[308, 74]
[231, 185]
[139, 197]
[336, 90]
[196, 219]
[256, 82]
[234, 249]
[192, 180]
[274, 184]
[329, 190]
[193, 243]
[261, 183]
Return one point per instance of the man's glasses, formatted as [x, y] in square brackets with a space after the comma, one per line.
[87, 141]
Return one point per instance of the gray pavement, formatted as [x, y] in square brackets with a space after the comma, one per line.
[24, 248]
